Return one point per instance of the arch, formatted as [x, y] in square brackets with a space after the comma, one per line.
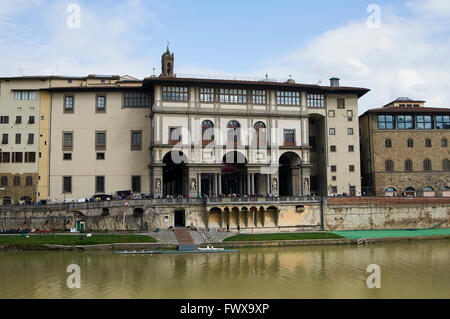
[288, 163]
[207, 132]
[410, 191]
[428, 142]
[233, 132]
[389, 166]
[16, 181]
[427, 165]
[388, 143]
[260, 133]
[410, 142]
[391, 189]
[26, 199]
[428, 189]
[234, 173]
[105, 211]
[408, 166]
[138, 212]
[175, 174]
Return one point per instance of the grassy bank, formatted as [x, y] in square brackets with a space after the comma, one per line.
[283, 236]
[73, 240]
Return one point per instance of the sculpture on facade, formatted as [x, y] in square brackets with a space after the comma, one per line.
[274, 184]
[306, 184]
[193, 185]
[158, 185]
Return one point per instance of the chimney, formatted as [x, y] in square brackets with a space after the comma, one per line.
[334, 82]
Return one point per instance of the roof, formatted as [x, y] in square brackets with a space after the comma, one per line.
[150, 81]
[404, 99]
[406, 110]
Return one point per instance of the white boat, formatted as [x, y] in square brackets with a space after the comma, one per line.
[209, 248]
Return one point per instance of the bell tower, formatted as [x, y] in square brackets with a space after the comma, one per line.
[167, 60]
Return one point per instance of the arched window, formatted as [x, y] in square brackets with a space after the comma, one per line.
[29, 181]
[390, 189]
[408, 165]
[427, 165]
[446, 165]
[4, 181]
[388, 143]
[233, 128]
[444, 142]
[428, 142]
[389, 166]
[410, 142]
[16, 181]
[260, 128]
[207, 132]
[428, 189]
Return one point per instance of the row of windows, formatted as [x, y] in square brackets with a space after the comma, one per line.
[17, 180]
[130, 100]
[409, 122]
[389, 165]
[333, 148]
[24, 95]
[410, 142]
[332, 131]
[5, 119]
[18, 138]
[240, 96]
[100, 184]
[333, 168]
[100, 140]
[17, 157]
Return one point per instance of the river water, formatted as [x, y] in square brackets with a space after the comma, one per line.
[408, 270]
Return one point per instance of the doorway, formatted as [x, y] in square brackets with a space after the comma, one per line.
[180, 218]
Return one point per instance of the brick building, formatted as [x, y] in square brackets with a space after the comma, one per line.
[404, 149]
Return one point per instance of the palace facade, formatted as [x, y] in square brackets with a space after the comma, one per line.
[177, 136]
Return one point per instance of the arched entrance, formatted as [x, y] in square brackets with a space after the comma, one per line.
[234, 173]
[288, 174]
[175, 174]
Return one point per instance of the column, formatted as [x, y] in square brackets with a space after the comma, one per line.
[268, 184]
[215, 184]
[248, 185]
[199, 183]
[220, 183]
[252, 177]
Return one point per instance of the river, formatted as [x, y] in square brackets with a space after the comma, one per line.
[408, 270]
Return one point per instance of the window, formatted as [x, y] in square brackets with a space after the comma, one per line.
[31, 120]
[331, 113]
[259, 97]
[16, 181]
[428, 142]
[341, 103]
[5, 139]
[4, 181]
[136, 184]
[332, 131]
[333, 148]
[99, 184]
[288, 98]
[5, 157]
[408, 166]
[334, 189]
[136, 140]
[234, 96]
[385, 122]
[289, 137]
[446, 165]
[207, 95]
[443, 122]
[350, 131]
[29, 181]
[207, 132]
[24, 95]
[350, 115]
[389, 166]
[333, 168]
[67, 156]
[351, 168]
[175, 93]
[233, 132]
[424, 122]
[427, 165]
[30, 138]
[18, 138]
[388, 143]
[68, 104]
[68, 141]
[67, 184]
[405, 122]
[136, 99]
[351, 148]
[260, 130]
[30, 157]
[18, 119]
[100, 140]
[444, 142]
[100, 156]
[315, 100]
[410, 142]
[175, 135]
[100, 104]
[333, 178]
[4, 119]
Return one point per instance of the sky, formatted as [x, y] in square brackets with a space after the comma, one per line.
[402, 51]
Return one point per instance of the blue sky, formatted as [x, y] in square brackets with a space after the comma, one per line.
[310, 40]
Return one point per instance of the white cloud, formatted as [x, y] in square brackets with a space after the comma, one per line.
[432, 7]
